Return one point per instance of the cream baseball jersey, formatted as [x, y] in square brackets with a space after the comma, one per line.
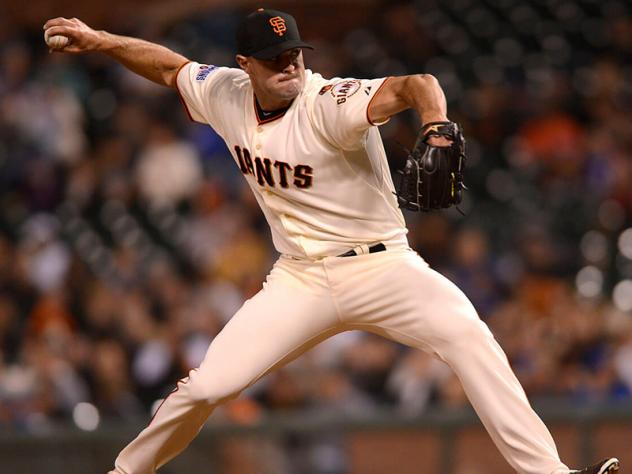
[318, 169]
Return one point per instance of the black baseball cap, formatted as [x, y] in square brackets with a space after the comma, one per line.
[265, 34]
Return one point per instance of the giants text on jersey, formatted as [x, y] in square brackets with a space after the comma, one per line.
[318, 168]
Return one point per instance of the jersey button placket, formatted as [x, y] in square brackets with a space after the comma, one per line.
[258, 136]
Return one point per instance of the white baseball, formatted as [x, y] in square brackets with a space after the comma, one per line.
[57, 41]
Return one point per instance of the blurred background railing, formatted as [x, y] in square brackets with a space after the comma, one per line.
[128, 237]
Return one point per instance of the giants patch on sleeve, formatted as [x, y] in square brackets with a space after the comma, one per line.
[203, 71]
[342, 90]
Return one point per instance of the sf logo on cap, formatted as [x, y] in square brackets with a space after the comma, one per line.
[278, 25]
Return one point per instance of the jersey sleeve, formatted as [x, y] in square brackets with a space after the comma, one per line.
[340, 110]
[203, 89]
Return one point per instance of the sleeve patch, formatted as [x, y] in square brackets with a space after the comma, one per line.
[342, 90]
[324, 90]
[203, 71]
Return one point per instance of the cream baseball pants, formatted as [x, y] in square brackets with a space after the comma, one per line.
[392, 293]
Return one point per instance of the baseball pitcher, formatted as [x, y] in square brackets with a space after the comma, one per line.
[310, 149]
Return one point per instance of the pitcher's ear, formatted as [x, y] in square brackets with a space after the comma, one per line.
[243, 62]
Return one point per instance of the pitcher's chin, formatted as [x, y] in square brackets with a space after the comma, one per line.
[290, 89]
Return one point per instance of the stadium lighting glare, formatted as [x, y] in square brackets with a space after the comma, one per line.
[86, 416]
[622, 295]
[625, 243]
[594, 246]
[589, 281]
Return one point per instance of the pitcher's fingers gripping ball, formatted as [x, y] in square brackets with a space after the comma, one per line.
[71, 35]
[56, 41]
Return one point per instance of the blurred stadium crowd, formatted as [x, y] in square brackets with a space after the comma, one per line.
[128, 237]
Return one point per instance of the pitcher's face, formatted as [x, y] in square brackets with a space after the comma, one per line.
[281, 78]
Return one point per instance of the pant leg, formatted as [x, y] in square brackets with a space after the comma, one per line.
[292, 313]
[397, 295]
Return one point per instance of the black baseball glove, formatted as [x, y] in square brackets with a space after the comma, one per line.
[432, 177]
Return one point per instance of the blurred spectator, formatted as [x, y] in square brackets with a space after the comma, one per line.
[168, 170]
[47, 259]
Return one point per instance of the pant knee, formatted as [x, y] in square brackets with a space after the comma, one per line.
[210, 392]
[474, 330]
[466, 332]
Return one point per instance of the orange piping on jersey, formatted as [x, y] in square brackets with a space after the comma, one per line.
[271, 118]
[368, 119]
[175, 84]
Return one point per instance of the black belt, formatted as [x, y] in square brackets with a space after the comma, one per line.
[375, 248]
